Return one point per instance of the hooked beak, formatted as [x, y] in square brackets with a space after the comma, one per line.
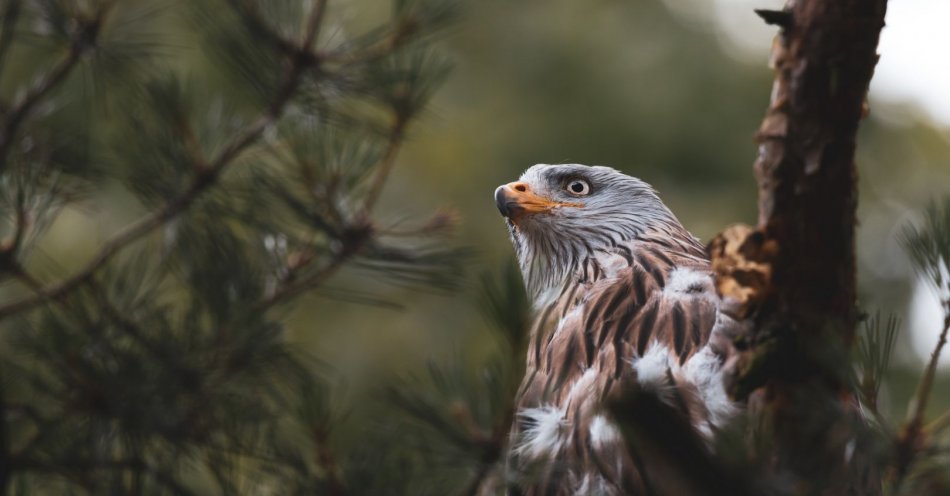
[515, 200]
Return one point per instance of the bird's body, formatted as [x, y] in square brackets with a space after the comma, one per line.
[621, 292]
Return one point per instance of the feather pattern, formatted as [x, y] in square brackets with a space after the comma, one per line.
[621, 290]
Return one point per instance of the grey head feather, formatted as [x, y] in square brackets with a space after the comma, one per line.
[619, 208]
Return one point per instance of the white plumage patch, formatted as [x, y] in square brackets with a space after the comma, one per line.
[687, 281]
[654, 367]
[545, 431]
[704, 370]
[602, 432]
[611, 263]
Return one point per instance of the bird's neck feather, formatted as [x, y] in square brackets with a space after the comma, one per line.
[548, 269]
[549, 264]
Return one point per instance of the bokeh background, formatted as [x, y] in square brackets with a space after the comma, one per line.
[670, 91]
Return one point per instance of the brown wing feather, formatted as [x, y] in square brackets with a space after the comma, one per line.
[584, 345]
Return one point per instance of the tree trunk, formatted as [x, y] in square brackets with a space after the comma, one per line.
[794, 275]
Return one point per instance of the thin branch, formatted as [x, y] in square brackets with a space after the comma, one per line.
[20, 226]
[910, 442]
[206, 178]
[919, 406]
[381, 48]
[386, 164]
[85, 37]
[22, 108]
[125, 237]
[10, 247]
[254, 22]
[314, 21]
[302, 285]
[295, 287]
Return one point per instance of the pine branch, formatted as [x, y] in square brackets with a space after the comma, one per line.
[386, 164]
[9, 248]
[205, 178]
[217, 376]
[358, 236]
[919, 406]
[297, 287]
[929, 250]
[874, 348]
[911, 441]
[375, 51]
[87, 465]
[83, 40]
[314, 21]
[253, 20]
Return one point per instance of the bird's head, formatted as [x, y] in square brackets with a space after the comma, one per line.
[559, 214]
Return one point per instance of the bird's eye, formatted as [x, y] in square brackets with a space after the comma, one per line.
[578, 187]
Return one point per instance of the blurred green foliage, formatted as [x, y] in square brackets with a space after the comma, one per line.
[632, 85]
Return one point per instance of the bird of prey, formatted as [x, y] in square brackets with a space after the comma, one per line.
[621, 292]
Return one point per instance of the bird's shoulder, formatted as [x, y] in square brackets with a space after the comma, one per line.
[660, 292]
[622, 303]
[641, 312]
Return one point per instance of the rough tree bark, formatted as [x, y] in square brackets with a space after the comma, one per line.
[793, 275]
